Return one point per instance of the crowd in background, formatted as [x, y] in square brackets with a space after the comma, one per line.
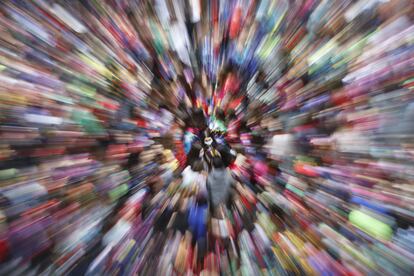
[240, 137]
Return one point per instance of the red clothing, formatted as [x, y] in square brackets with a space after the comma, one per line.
[141, 123]
[235, 22]
[180, 153]
[231, 85]
[4, 250]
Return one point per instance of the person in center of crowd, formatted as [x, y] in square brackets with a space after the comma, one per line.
[209, 151]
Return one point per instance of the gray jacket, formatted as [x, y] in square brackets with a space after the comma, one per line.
[219, 183]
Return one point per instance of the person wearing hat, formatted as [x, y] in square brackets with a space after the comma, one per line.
[209, 152]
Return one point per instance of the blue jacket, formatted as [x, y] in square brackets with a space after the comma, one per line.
[197, 221]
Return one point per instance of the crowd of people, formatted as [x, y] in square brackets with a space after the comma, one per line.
[187, 137]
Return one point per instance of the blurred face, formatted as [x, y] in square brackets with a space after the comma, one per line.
[156, 184]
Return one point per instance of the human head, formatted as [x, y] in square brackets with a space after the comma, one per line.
[261, 76]
[197, 166]
[100, 151]
[231, 115]
[201, 199]
[218, 163]
[244, 126]
[220, 114]
[199, 118]
[155, 184]
[160, 158]
[208, 141]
